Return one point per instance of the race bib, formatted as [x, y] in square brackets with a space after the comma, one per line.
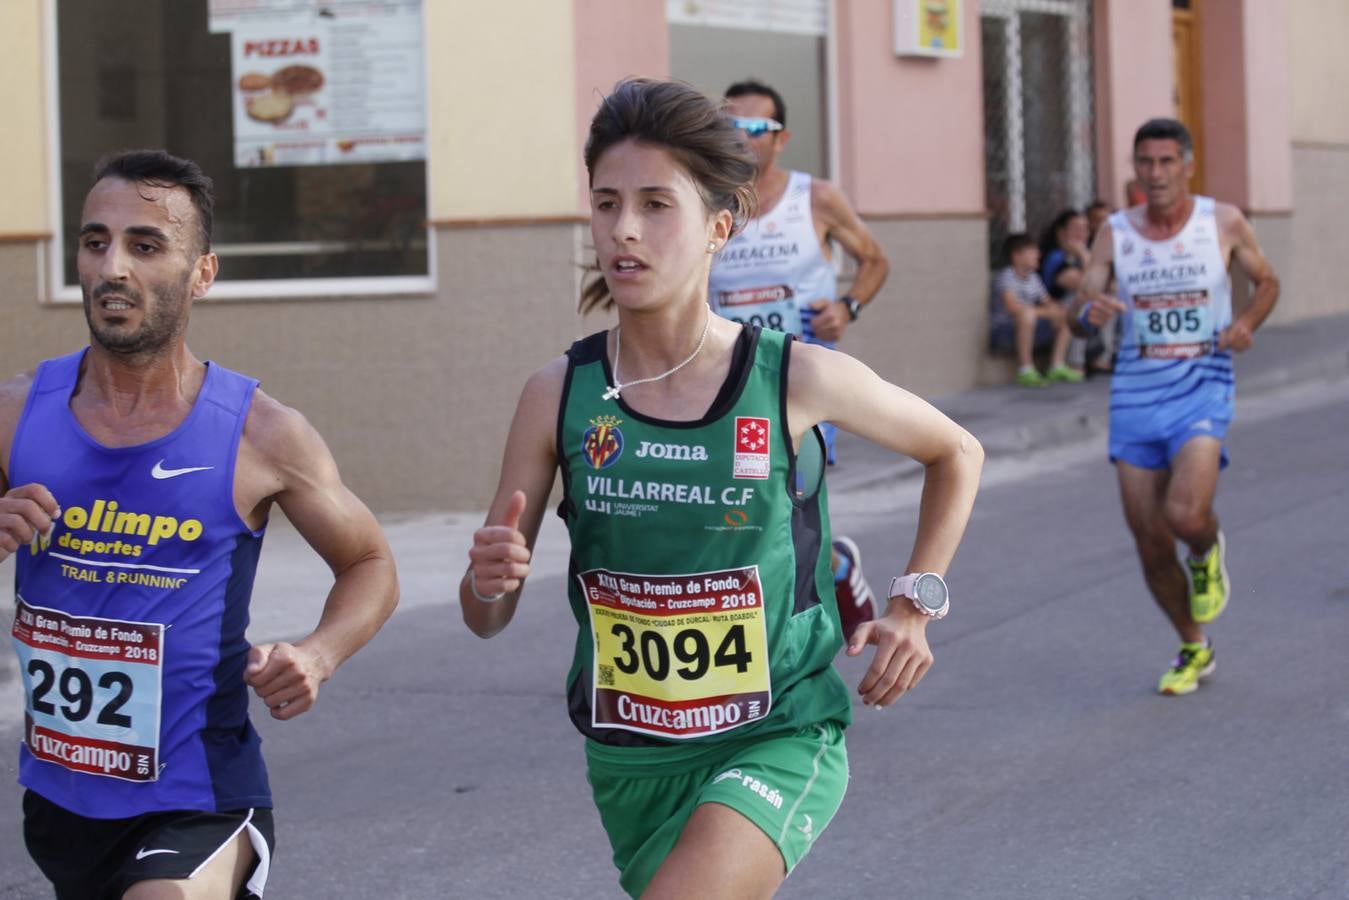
[678, 656]
[1177, 325]
[92, 690]
[772, 307]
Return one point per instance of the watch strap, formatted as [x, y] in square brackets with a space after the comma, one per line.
[906, 586]
[903, 585]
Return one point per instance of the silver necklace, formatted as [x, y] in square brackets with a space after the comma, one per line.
[613, 390]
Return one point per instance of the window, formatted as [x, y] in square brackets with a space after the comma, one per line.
[308, 116]
[1038, 156]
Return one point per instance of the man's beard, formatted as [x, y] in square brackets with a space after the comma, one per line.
[160, 324]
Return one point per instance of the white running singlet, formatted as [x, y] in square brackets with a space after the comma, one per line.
[1179, 298]
[772, 271]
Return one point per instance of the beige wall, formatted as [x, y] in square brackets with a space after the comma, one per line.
[1319, 70]
[500, 109]
[1318, 240]
[24, 149]
[927, 330]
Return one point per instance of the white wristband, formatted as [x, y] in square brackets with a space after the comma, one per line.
[473, 587]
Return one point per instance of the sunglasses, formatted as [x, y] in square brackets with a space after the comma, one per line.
[755, 127]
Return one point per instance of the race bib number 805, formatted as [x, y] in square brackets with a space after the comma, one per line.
[1173, 326]
[678, 656]
[92, 689]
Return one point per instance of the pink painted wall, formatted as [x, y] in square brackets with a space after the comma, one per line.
[1134, 74]
[614, 39]
[911, 130]
[1269, 112]
[1223, 87]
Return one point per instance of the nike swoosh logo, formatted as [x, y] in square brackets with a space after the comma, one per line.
[161, 473]
[142, 852]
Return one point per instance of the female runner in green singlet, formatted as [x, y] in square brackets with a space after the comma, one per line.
[693, 491]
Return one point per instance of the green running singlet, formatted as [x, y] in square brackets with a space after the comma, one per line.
[700, 576]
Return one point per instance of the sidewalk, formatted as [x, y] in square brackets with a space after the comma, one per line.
[1009, 421]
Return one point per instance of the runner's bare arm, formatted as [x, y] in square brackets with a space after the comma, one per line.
[26, 509]
[825, 384]
[1094, 282]
[841, 223]
[502, 548]
[1250, 259]
[281, 446]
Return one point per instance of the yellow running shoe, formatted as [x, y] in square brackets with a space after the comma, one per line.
[1195, 662]
[1208, 582]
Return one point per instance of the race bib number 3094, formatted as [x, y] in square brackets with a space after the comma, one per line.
[92, 691]
[678, 656]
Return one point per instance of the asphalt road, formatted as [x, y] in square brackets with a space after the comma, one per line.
[1035, 761]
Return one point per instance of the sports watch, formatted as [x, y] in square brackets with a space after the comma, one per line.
[927, 590]
[854, 306]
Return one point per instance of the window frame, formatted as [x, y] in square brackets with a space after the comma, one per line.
[51, 281]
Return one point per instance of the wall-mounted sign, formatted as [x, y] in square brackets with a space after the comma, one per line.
[928, 28]
[325, 83]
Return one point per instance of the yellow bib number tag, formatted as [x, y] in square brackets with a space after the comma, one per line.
[678, 656]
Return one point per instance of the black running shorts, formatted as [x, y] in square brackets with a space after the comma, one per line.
[92, 859]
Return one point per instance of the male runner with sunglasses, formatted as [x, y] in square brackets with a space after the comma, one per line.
[778, 272]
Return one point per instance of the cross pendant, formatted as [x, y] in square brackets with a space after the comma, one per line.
[610, 393]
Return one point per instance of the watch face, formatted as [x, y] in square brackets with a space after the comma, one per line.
[931, 591]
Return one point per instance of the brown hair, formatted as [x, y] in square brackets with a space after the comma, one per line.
[692, 129]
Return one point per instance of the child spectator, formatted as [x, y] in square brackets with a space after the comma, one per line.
[1025, 317]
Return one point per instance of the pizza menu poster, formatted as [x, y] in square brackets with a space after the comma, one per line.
[325, 90]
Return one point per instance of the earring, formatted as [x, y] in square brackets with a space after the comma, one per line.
[711, 246]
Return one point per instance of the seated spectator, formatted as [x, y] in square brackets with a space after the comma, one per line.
[1025, 317]
[1064, 256]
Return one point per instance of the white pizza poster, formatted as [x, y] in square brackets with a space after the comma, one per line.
[338, 85]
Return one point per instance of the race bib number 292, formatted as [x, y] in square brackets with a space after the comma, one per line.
[92, 691]
[678, 656]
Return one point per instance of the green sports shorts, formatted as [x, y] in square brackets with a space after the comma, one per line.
[789, 785]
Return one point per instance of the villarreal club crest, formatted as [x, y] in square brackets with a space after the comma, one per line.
[602, 443]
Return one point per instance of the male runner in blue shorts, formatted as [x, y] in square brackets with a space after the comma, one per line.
[136, 483]
[778, 273]
[1172, 391]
